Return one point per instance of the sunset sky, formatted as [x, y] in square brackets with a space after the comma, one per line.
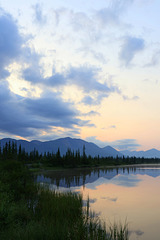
[84, 69]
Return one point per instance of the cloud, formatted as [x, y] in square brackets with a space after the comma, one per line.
[96, 141]
[130, 47]
[112, 126]
[122, 144]
[60, 133]
[87, 78]
[92, 113]
[126, 98]
[121, 5]
[52, 108]
[125, 144]
[90, 27]
[56, 16]
[96, 100]
[84, 77]
[100, 57]
[137, 232]
[110, 199]
[80, 21]
[91, 23]
[26, 117]
[126, 180]
[87, 100]
[10, 43]
[111, 15]
[4, 74]
[33, 74]
[13, 46]
[106, 16]
[39, 17]
[151, 81]
[91, 200]
[154, 60]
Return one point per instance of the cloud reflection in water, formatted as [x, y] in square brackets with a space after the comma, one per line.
[120, 180]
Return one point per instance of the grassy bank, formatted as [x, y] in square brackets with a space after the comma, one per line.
[28, 211]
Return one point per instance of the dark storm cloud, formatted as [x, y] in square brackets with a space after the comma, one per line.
[25, 117]
[10, 42]
[130, 47]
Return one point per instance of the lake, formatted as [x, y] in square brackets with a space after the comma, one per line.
[122, 194]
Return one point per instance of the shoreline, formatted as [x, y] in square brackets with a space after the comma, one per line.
[154, 165]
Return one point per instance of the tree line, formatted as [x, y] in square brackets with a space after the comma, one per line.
[10, 151]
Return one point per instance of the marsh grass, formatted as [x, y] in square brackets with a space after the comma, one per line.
[119, 231]
[96, 229]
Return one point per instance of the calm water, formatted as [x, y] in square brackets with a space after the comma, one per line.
[117, 194]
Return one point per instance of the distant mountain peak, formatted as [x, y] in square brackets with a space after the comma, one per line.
[151, 153]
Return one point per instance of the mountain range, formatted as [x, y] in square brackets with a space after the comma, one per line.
[64, 144]
[152, 153]
[74, 144]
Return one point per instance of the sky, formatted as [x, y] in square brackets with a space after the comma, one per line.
[81, 69]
